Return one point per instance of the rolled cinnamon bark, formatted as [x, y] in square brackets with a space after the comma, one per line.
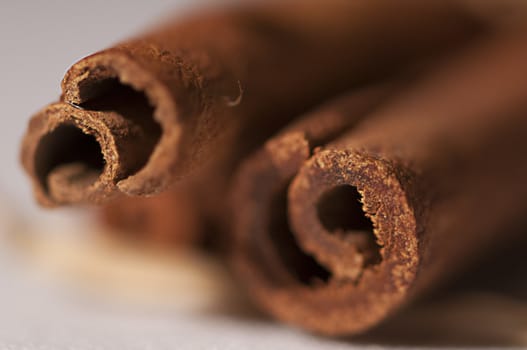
[415, 193]
[204, 92]
[169, 220]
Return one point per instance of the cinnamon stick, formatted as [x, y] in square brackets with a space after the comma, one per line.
[169, 220]
[202, 93]
[336, 239]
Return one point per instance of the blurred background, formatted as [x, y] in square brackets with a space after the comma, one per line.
[129, 299]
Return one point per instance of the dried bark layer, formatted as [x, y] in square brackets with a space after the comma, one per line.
[202, 93]
[166, 221]
[337, 239]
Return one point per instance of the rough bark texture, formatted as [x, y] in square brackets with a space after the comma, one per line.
[337, 239]
[208, 90]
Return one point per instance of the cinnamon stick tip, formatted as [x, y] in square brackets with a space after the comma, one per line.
[66, 157]
[351, 270]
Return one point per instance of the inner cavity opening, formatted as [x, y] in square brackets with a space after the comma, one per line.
[299, 264]
[112, 95]
[340, 212]
[71, 150]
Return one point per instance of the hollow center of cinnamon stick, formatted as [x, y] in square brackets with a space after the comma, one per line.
[112, 95]
[299, 264]
[67, 147]
[69, 160]
[340, 212]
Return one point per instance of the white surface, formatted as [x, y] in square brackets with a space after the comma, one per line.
[39, 315]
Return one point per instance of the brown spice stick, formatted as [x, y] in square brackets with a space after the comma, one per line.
[440, 174]
[169, 220]
[204, 92]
